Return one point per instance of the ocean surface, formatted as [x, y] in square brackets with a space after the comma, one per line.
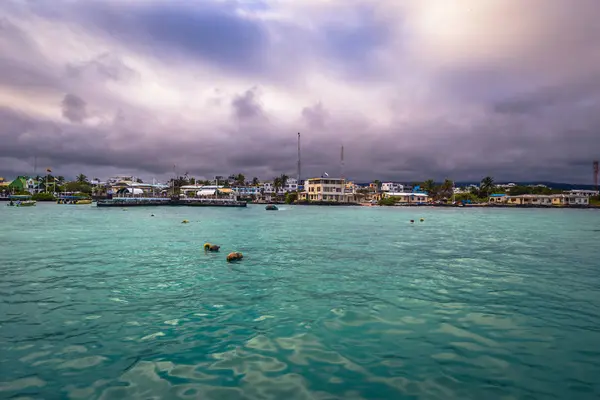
[328, 303]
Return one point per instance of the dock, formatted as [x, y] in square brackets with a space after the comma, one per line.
[166, 201]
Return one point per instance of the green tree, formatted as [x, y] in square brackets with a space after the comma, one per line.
[81, 178]
[277, 185]
[283, 179]
[446, 190]
[428, 186]
[291, 197]
[377, 183]
[486, 186]
[75, 187]
[387, 201]
[240, 179]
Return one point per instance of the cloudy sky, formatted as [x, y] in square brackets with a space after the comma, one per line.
[412, 89]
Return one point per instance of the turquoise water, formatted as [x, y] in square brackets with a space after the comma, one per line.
[328, 303]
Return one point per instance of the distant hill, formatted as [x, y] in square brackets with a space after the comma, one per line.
[553, 185]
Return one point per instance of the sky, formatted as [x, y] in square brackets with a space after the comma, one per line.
[413, 90]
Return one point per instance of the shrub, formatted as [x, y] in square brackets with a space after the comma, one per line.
[43, 197]
[387, 201]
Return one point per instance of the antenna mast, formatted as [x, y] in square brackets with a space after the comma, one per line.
[596, 174]
[298, 182]
[342, 170]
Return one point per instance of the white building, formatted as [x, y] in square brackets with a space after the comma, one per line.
[291, 185]
[586, 193]
[408, 198]
[392, 187]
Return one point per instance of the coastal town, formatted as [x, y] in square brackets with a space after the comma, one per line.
[323, 190]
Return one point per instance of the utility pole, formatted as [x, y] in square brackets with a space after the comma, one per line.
[342, 170]
[298, 177]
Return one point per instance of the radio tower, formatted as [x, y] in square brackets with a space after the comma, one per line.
[596, 174]
[298, 183]
[342, 170]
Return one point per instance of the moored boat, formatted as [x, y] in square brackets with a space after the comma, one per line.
[73, 200]
[21, 201]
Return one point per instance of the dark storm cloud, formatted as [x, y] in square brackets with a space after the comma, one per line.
[201, 152]
[529, 117]
[208, 31]
[74, 108]
[247, 105]
[21, 64]
[316, 116]
[567, 95]
[351, 46]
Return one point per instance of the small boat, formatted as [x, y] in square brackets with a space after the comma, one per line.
[73, 200]
[271, 207]
[21, 201]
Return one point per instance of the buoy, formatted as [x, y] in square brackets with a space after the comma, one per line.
[422, 219]
[152, 215]
[185, 221]
[235, 256]
[211, 247]
[412, 221]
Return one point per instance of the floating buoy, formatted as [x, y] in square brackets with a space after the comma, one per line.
[211, 247]
[412, 221]
[185, 221]
[152, 215]
[235, 256]
[422, 219]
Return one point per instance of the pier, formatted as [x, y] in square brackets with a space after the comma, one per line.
[166, 201]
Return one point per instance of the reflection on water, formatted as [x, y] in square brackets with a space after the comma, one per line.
[328, 303]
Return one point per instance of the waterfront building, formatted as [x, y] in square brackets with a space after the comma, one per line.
[408, 197]
[392, 187]
[570, 200]
[23, 184]
[497, 198]
[540, 200]
[247, 190]
[327, 189]
[586, 193]
[291, 185]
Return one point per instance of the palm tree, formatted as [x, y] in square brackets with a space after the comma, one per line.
[255, 181]
[428, 186]
[81, 178]
[240, 179]
[277, 185]
[487, 185]
[283, 179]
[447, 188]
[377, 183]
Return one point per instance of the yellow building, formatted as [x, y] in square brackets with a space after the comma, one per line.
[541, 200]
[327, 189]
